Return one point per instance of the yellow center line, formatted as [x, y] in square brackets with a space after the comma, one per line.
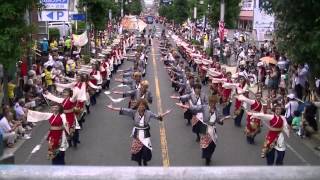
[163, 137]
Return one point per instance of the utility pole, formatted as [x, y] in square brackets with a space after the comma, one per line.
[195, 19]
[29, 39]
[221, 28]
[122, 5]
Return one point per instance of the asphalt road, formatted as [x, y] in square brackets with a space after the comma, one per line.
[105, 138]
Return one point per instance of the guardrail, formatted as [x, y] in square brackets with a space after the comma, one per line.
[156, 173]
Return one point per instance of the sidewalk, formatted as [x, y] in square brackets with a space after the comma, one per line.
[8, 153]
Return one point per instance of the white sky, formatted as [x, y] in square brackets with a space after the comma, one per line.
[148, 2]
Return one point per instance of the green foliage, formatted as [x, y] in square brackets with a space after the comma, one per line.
[133, 8]
[97, 12]
[167, 12]
[182, 9]
[297, 29]
[195, 42]
[209, 51]
[86, 59]
[54, 34]
[13, 29]
[232, 10]
[81, 27]
[178, 12]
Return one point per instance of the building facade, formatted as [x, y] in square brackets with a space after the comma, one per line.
[245, 21]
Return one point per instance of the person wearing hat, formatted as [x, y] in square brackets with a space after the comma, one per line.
[290, 107]
[195, 98]
[141, 149]
[211, 115]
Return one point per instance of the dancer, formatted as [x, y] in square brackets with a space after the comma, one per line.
[276, 124]
[208, 133]
[141, 144]
[57, 139]
[195, 98]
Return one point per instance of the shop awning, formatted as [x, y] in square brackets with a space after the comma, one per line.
[246, 15]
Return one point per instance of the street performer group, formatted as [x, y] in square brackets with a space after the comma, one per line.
[189, 69]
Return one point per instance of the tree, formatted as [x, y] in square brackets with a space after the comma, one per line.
[183, 9]
[14, 33]
[167, 12]
[179, 11]
[232, 11]
[134, 8]
[97, 12]
[297, 29]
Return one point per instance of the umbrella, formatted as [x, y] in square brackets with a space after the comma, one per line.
[268, 60]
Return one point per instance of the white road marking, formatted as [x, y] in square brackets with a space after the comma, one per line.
[298, 155]
[35, 149]
[294, 151]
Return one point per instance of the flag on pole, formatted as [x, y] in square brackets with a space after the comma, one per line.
[221, 30]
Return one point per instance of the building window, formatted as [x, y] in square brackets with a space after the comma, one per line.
[247, 5]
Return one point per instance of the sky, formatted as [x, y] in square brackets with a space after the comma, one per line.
[148, 2]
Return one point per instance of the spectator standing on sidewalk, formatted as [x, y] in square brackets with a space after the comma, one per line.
[11, 90]
[300, 80]
[291, 106]
[45, 46]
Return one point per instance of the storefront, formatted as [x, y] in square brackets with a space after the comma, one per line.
[245, 21]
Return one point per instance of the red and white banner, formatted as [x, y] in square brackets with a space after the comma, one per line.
[221, 30]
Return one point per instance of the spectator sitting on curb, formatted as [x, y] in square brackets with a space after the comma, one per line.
[9, 135]
[309, 119]
[297, 124]
[20, 114]
[17, 127]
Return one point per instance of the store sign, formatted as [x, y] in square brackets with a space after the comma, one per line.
[55, 4]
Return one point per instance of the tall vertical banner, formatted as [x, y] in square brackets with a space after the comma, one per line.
[221, 31]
